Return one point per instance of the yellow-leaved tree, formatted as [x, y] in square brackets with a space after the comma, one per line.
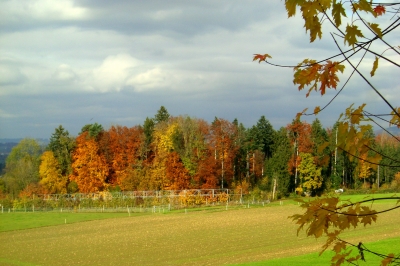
[163, 145]
[310, 174]
[363, 31]
[50, 174]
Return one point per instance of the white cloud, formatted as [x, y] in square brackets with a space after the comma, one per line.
[154, 78]
[64, 73]
[113, 73]
[161, 15]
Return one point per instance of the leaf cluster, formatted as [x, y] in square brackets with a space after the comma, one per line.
[330, 217]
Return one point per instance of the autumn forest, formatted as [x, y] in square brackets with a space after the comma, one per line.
[175, 153]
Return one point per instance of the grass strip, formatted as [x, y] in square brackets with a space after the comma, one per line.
[29, 220]
[385, 246]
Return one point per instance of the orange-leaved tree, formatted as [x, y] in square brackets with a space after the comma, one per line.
[362, 33]
[300, 138]
[223, 134]
[122, 147]
[177, 175]
[89, 167]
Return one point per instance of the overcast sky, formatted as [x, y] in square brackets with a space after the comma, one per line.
[73, 63]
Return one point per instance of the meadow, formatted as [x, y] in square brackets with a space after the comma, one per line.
[259, 235]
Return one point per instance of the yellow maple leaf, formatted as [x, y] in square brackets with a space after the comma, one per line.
[352, 32]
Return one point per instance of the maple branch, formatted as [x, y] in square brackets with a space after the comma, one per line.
[360, 202]
[385, 120]
[394, 160]
[365, 160]
[368, 200]
[368, 114]
[365, 79]
[368, 27]
[337, 94]
[361, 247]
[387, 30]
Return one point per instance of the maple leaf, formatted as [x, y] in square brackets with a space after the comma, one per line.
[307, 75]
[339, 246]
[388, 260]
[261, 57]
[339, 258]
[315, 29]
[395, 118]
[368, 215]
[298, 115]
[290, 6]
[351, 33]
[337, 12]
[357, 114]
[379, 10]
[375, 66]
[328, 78]
[366, 6]
[323, 146]
[376, 29]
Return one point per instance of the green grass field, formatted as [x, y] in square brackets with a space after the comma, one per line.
[239, 236]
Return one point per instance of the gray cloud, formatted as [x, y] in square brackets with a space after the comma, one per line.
[116, 62]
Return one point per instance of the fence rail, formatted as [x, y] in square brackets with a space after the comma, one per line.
[174, 199]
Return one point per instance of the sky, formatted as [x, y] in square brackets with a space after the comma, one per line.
[73, 63]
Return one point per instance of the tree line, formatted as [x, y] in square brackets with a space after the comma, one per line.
[175, 153]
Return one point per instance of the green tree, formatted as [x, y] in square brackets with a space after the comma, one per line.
[62, 145]
[265, 136]
[389, 146]
[162, 115]
[241, 157]
[277, 166]
[94, 130]
[22, 166]
[148, 130]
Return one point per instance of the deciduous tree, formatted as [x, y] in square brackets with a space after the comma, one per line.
[22, 166]
[89, 166]
[310, 174]
[50, 174]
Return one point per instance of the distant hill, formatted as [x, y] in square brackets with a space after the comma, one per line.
[10, 140]
[393, 130]
[41, 141]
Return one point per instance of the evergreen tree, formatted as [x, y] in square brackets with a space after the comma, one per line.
[277, 166]
[94, 130]
[265, 136]
[162, 115]
[62, 145]
[148, 129]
